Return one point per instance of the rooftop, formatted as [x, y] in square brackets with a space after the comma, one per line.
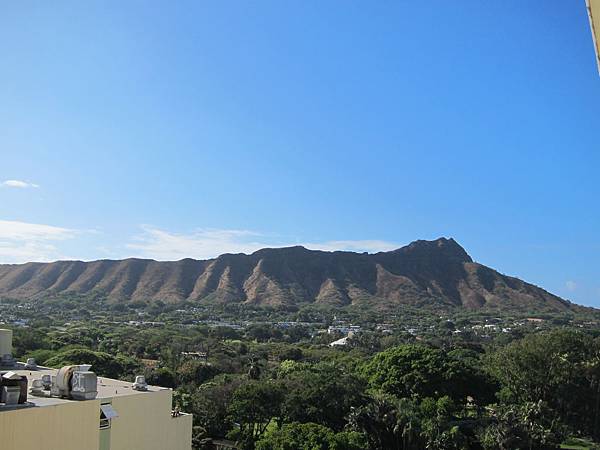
[107, 388]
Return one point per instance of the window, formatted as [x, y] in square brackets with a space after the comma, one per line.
[107, 413]
[104, 422]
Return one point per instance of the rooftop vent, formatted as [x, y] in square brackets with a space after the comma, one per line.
[140, 383]
[37, 388]
[10, 395]
[30, 364]
[12, 384]
[47, 382]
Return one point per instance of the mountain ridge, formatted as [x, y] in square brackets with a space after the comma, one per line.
[438, 272]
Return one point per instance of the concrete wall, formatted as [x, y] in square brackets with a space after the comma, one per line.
[69, 426]
[145, 422]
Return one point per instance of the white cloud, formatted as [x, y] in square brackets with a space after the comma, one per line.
[22, 242]
[201, 244]
[571, 285]
[371, 246]
[19, 184]
[208, 243]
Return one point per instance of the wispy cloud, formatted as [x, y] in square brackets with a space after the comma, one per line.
[19, 184]
[202, 244]
[22, 242]
[208, 243]
[11, 229]
[571, 286]
[371, 246]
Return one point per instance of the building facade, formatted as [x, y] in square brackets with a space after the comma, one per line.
[120, 417]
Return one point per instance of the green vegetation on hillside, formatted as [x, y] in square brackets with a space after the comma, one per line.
[268, 379]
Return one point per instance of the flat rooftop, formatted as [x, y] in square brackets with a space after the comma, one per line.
[107, 388]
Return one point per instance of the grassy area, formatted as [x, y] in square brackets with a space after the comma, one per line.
[579, 444]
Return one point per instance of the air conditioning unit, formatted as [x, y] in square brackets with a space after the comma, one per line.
[84, 385]
[140, 383]
[11, 382]
[10, 395]
[76, 382]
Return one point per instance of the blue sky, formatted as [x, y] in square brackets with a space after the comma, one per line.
[173, 129]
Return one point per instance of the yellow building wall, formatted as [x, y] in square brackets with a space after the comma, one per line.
[180, 432]
[145, 423]
[594, 13]
[68, 426]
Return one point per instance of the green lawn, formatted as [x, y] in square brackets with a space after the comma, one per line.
[579, 444]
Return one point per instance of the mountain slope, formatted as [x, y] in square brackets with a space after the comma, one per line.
[436, 272]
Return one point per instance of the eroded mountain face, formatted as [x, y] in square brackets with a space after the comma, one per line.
[424, 272]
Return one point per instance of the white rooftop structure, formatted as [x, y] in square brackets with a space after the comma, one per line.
[72, 409]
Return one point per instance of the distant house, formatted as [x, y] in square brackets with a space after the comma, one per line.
[342, 341]
[195, 355]
[344, 329]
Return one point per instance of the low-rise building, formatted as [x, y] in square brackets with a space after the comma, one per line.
[119, 415]
[340, 342]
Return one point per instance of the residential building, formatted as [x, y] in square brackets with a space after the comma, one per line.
[73, 409]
